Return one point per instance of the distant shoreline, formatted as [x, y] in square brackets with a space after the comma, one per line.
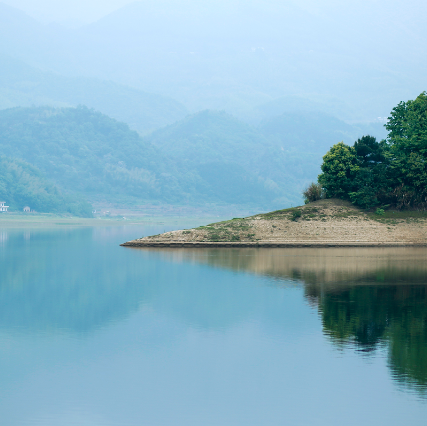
[11, 220]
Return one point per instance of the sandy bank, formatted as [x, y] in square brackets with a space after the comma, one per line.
[326, 223]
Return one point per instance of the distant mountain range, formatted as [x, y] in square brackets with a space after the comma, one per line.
[235, 55]
[23, 85]
[154, 103]
[207, 158]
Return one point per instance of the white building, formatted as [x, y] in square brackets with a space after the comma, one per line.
[3, 208]
[27, 209]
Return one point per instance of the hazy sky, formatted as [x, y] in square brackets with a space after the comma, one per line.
[86, 11]
[67, 10]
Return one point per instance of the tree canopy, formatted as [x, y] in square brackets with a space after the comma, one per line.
[389, 172]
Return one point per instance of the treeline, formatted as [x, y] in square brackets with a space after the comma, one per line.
[392, 172]
[22, 184]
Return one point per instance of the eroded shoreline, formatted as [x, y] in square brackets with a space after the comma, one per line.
[326, 223]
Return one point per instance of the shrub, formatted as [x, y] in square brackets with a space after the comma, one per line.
[295, 215]
[313, 192]
[379, 211]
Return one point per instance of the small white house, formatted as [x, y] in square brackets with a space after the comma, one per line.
[27, 209]
[3, 208]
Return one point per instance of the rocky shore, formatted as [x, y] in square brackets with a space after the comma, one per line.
[324, 223]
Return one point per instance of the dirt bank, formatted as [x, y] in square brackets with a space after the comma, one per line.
[320, 224]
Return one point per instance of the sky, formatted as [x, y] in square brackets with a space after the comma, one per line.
[87, 11]
[76, 12]
[63, 11]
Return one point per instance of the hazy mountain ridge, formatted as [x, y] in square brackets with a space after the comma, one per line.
[284, 152]
[85, 151]
[208, 157]
[265, 50]
[315, 130]
[23, 85]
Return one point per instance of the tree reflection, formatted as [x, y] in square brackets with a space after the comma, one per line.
[76, 281]
[367, 316]
[367, 297]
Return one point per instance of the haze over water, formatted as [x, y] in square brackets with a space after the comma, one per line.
[96, 334]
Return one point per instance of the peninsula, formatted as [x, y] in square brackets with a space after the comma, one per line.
[323, 223]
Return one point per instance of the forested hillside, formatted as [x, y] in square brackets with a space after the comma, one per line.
[209, 157]
[85, 151]
[284, 153]
[22, 184]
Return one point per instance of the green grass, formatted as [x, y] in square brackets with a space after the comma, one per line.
[396, 216]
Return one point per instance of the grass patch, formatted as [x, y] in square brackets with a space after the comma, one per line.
[408, 215]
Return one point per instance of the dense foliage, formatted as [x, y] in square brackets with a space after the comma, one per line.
[23, 185]
[390, 172]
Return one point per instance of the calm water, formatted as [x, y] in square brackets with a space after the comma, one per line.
[93, 334]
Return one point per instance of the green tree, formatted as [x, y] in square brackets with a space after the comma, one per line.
[339, 169]
[390, 172]
[371, 178]
[407, 142]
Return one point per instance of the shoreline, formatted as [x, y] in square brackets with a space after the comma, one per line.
[324, 223]
[47, 220]
[269, 244]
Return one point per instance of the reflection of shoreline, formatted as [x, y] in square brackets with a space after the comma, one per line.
[366, 297]
[333, 266]
[270, 244]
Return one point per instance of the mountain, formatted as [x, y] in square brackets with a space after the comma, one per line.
[368, 55]
[81, 150]
[208, 157]
[293, 103]
[210, 136]
[84, 151]
[284, 152]
[229, 155]
[315, 131]
[22, 184]
[23, 85]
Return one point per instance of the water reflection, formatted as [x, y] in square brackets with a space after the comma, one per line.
[78, 281]
[330, 267]
[367, 297]
[68, 280]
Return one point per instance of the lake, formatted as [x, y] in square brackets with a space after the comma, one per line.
[94, 334]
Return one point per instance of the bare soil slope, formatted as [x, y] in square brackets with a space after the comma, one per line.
[322, 223]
